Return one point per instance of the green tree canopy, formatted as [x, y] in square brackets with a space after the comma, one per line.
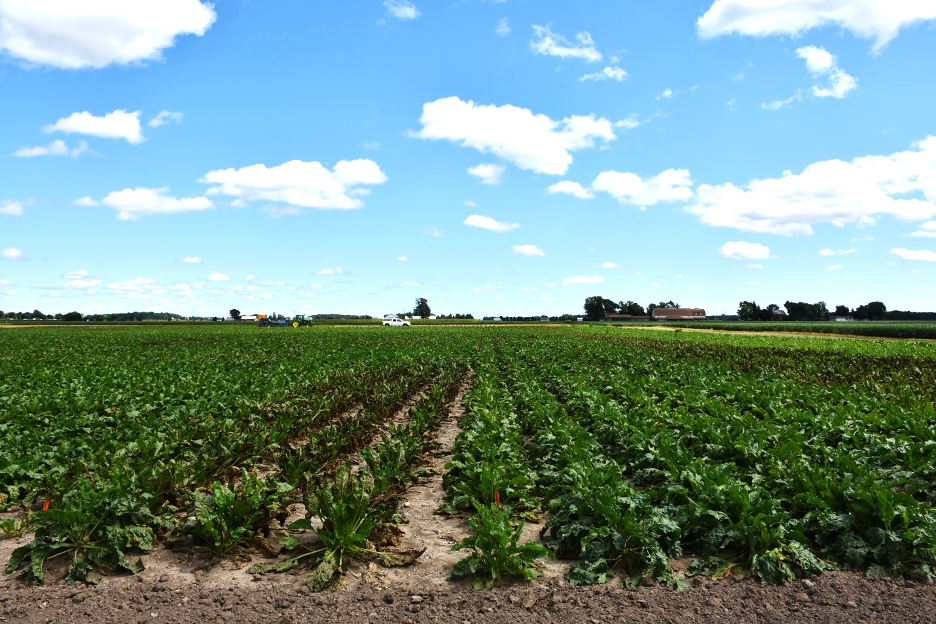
[597, 307]
[630, 307]
[422, 308]
[876, 310]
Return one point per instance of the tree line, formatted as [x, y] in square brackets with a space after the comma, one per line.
[597, 308]
[73, 316]
[802, 311]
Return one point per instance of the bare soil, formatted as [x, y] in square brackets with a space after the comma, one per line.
[172, 589]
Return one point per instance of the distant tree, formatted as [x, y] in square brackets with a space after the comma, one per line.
[597, 307]
[422, 308]
[235, 314]
[876, 310]
[802, 311]
[748, 311]
[629, 307]
[841, 310]
[72, 316]
[861, 313]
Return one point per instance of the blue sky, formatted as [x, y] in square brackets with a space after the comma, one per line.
[496, 157]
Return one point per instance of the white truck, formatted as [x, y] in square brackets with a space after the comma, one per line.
[395, 322]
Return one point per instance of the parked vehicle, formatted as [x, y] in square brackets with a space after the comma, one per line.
[395, 322]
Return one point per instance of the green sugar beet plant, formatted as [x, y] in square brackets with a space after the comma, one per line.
[343, 505]
[86, 529]
[495, 548]
[232, 514]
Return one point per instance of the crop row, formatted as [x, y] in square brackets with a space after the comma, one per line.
[881, 329]
[658, 455]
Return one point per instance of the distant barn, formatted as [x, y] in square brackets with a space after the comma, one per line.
[678, 314]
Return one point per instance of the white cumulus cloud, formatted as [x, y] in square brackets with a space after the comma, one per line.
[55, 148]
[402, 258]
[11, 208]
[219, 277]
[401, 9]
[131, 204]
[607, 265]
[546, 42]
[329, 271]
[528, 250]
[741, 250]
[829, 191]
[96, 33]
[865, 18]
[488, 173]
[531, 141]
[487, 223]
[629, 188]
[834, 267]
[927, 229]
[582, 279]
[568, 187]
[298, 183]
[502, 28]
[908, 254]
[834, 252]
[11, 254]
[822, 63]
[608, 73]
[116, 125]
[191, 260]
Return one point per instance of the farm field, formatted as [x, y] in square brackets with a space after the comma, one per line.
[645, 464]
[925, 330]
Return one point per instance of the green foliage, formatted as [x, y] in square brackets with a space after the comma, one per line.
[489, 456]
[495, 548]
[85, 528]
[13, 527]
[605, 523]
[770, 453]
[343, 505]
[422, 308]
[232, 514]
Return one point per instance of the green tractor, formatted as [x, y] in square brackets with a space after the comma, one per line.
[301, 321]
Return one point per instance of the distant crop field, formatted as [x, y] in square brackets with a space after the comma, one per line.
[881, 329]
[766, 456]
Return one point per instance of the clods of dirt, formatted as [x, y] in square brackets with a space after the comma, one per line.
[154, 597]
